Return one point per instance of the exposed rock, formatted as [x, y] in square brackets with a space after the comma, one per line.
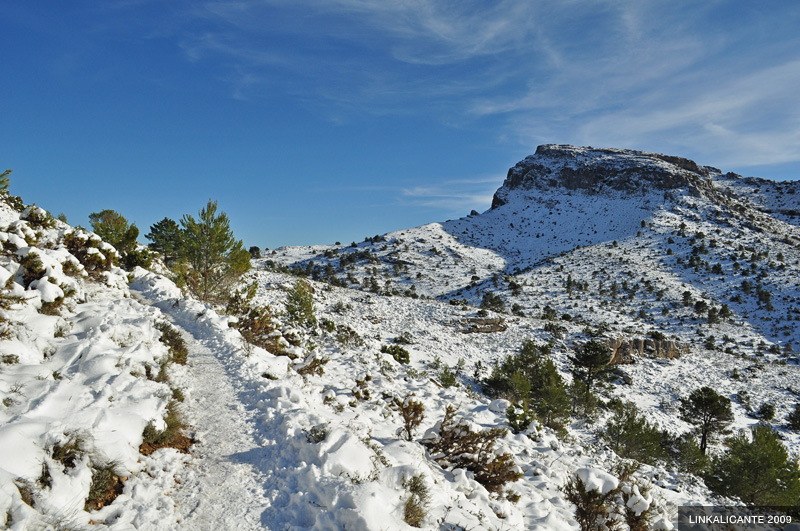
[624, 376]
[625, 350]
[595, 170]
[483, 325]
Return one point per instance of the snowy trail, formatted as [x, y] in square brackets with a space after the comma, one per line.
[220, 489]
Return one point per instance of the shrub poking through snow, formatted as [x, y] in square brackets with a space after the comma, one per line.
[95, 255]
[347, 337]
[105, 488]
[530, 380]
[174, 342]
[300, 304]
[630, 434]
[312, 365]
[317, 434]
[399, 354]
[457, 446]
[67, 453]
[592, 493]
[412, 412]
[169, 437]
[793, 419]
[32, 268]
[416, 505]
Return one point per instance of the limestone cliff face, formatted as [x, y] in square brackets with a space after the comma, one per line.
[625, 350]
[594, 170]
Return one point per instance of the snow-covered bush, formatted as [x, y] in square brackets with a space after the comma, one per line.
[415, 508]
[456, 445]
[300, 304]
[412, 412]
[399, 354]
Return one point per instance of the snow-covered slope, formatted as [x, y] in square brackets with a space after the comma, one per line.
[698, 268]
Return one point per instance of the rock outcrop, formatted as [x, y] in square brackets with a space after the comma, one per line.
[625, 350]
[594, 170]
[484, 325]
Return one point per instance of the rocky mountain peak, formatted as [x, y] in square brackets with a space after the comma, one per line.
[595, 170]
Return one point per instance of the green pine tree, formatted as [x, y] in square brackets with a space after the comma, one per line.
[4, 182]
[708, 411]
[113, 228]
[631, 436]
[167, 238]
[757, 469]
[216, 258]
[591, 363]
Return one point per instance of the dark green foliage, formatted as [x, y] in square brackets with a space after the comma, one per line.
[708, 411]
[4, 181]
[255, 252]
[766, 412]
[793, 419]
[631, 436]
[167, 238]
[216, 258]
[583, 400]
[399, 354]
[113, 228]
[457, 446]
[300, 304]
[757, 469]
[591, 363]
[493, 302]
[688, 455]
[137, 258]
[591, 507]
[531, 380]
[519, 418]
[32, 268]
[79, 245]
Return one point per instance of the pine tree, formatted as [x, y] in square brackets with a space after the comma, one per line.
[759, 471]
[4, 182]
[793, 419]
[591, 363]
[112, 227]
[631, 436]
[300, 304]
[217, 259]
[167, 238]
[708, 411]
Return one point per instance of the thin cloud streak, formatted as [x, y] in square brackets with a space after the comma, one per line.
[601, 72]
[454, 196]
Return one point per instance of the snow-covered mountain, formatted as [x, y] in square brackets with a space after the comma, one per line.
[690, 276]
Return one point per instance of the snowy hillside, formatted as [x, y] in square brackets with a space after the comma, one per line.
[351, 386]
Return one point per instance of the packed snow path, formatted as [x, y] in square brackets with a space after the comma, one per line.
[221, 488]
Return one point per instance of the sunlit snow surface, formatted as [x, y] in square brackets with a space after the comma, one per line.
[259, 462]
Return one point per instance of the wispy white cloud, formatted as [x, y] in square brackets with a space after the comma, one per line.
[454, 196]
[635, 73]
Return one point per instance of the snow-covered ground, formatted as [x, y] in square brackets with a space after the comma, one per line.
[85, 370]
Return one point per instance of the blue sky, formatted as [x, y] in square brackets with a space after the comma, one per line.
[312, 121]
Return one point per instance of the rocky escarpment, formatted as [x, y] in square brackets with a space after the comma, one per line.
[625, 350]
[596, 170]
